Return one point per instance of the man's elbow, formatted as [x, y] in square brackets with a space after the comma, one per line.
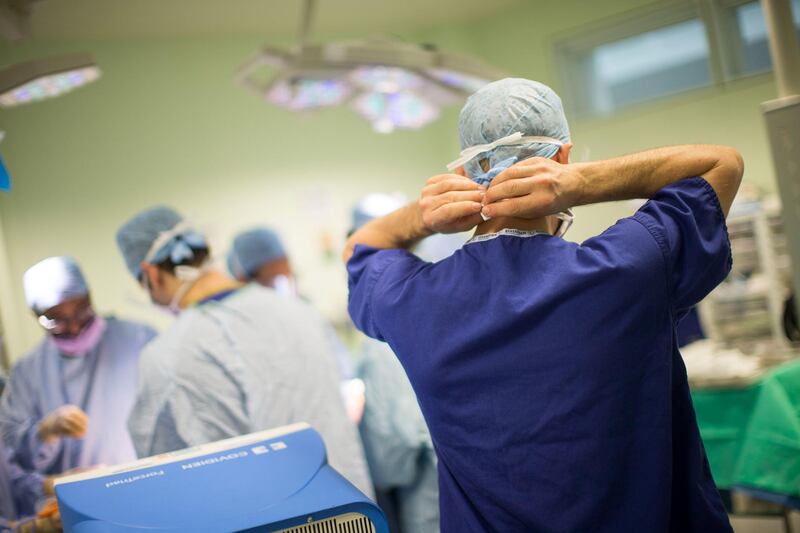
[736, 162]
[726, 176]
[731, 159]
[349, 248]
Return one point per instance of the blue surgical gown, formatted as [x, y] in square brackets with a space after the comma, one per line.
[549, 372]
[250, 361]
[19, 490]
[397, 442]
[101, 382]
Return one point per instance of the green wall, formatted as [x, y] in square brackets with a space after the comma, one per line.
[167, 125]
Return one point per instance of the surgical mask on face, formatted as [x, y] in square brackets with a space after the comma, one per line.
[189, 276]
[85, 341]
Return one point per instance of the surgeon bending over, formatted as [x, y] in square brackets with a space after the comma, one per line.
[548, 371]
[67, 401]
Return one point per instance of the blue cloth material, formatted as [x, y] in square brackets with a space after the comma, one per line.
[508, 106]
[253, 249]
[485, 178]
[689, 328]
[268, 360]
[19, 490]
[53, 281]
[136, 238]
[102, 383]
[180, 248]
[551, 381]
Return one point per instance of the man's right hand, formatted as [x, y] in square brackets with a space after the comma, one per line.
[451, 203]
[66, 421]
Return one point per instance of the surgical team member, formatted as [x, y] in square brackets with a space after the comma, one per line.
[397, 443]
[67, 401]
[548, 371]
[236, 360]
[20, 491]
[258, 255]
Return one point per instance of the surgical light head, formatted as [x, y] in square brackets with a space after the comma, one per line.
[507, 121]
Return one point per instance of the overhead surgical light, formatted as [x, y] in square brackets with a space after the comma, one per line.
[45, 78]
[391, 84]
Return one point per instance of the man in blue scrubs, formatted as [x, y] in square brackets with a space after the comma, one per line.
[548, 372]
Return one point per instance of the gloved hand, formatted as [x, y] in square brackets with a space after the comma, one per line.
[48, 483]
[66, 421]
[51, 524]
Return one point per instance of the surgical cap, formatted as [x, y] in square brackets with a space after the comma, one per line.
[376, 205]
[53, 281]
[156, 235]
[252, 249]
[507, 106]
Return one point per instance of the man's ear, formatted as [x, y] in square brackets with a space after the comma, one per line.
[151, 272]
[562, 156]
[460, 171]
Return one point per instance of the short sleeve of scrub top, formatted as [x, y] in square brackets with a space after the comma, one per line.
[366, 267]
[687, 222]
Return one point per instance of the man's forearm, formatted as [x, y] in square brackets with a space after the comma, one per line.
[643, 174]
[401, 229]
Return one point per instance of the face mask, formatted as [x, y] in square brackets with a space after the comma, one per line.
[189, 276]
[83, 342]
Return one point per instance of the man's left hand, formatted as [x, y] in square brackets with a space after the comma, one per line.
[534, 188]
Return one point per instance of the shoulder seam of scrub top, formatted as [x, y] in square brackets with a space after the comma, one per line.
[510, 232]
[643, 219]
[372, 281]
[712, 193]
[662, 247]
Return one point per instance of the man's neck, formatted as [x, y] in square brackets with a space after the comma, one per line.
[496, 224]
[209, 284]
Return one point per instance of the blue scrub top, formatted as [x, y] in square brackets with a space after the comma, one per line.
[549, 373]
[690, 329]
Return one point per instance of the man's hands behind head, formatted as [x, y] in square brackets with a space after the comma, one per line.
[534, 188]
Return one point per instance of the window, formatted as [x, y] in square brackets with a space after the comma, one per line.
[745, 41]
[655, 54]
[605, 77]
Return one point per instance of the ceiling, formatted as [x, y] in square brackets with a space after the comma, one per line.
[98, 19]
